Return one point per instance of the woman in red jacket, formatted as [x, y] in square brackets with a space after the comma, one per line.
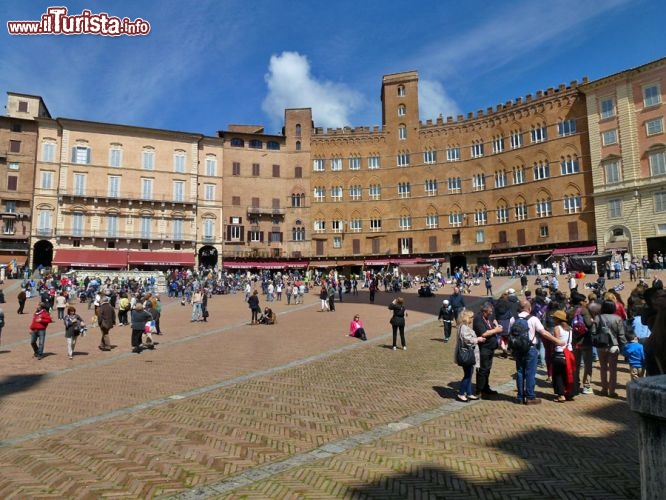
[40, 320]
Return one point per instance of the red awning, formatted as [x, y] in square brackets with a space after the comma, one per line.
[575, 250]
[406, 261]
[98, 259]
[147, 258]
[276, 264]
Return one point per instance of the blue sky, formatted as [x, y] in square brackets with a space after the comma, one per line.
[207, 64]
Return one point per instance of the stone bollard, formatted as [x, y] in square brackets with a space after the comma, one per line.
[647, 397]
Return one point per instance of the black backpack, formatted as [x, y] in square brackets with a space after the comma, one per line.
[519, 336]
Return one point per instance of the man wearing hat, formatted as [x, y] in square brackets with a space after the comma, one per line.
[106, 319]
[446, 315]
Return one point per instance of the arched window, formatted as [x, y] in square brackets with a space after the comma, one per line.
[237, 142]
[298, 130]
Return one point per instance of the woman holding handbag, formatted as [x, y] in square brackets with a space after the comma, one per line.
[467, 341]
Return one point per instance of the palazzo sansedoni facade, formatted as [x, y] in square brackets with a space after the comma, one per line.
[574, 169]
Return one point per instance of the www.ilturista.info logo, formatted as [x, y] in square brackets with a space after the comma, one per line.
[56, 22]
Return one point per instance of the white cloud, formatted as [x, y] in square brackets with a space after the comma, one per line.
[433, 101]
[291, 85]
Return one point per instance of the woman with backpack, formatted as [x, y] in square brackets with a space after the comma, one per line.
[609, 338]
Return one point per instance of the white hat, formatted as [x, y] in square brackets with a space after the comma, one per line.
[445, 302]
[511, 291]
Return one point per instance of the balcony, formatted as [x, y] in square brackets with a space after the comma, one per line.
[500, 245]
[71, 195]
[105, 234]
[265, 211]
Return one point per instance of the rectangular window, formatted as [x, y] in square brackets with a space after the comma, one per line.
[319, 194]
[573, 231]
[480, 218]
[566, 127]
[355, 225]
[480, 236]
[614, 209]
[405, 246]
[431, 187]
[44, 222]
[8, 226]
[178, 229]
[375, 225]
[543, 231]
[478, 182]
[148, 159]
[77, 224]
[145, 227]
[46, 180]
[354, 163]
[115, 157]
[430, 157]
[655, 126]
[14, 146]
[403, 160]
[373, 162]
[651, 95]
[256, 169]
[502, 215]
[609, 137]
[569, 166]
[337, 226]
[235, 232]
[404, 190]
[453, 154]
[179, 191]
[518, 175]
[402, 133]
[112, 225]
[318, 165]
[23, 106]
[516, 139]
[405, 222]
[660, 202]
[48, 152]
[235, 168]
[607, 106]
[12, 183]
[375, 191]
[612, 171]
[337, 241]
[355, 193]
[276, 170]
[657, 163]
[79, 184]
[10, 206]
[179, 163]
[13, 165]
[572, 204]
[211, 166]
[336, 164]
[544, 208]
[113, 186]
[538, 134]
[255, 236]
[255, 202]
[146, 189]
[236, 201]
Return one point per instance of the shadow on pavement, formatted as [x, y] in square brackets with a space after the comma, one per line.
[17, 383]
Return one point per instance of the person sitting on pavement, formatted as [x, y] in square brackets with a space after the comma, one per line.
[356, 328]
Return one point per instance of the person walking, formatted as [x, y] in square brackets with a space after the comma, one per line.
[74, 327]
[467, 337]
[139, 317]
[446, 316]
[60, 304]
[40, 320]
[398, 321]
[608, 355]
[253, 304]
[22, 296]
[106, 319]
[323, 296]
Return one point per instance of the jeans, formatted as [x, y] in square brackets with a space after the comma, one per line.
[483, 372]
[34, 336]
[583, 353]
[447, 330]
[196, 311]
[526, 368]
[466, 382]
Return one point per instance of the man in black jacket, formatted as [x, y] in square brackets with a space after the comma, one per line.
[446, 315]
[485, 325]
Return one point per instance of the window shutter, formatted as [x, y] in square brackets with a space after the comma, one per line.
[281, 237]
[88, 155]
[261, 236]
[242, 233]
[74, 154]
[229, 233]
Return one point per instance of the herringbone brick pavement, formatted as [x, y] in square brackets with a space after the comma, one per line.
[224, 403]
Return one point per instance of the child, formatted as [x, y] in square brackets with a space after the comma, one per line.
[635, 356]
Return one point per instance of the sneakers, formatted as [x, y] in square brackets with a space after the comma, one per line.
[404, 347]
[587, 390]
[462, 398]
[535, 401]
[394, 348]
[472, 397]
